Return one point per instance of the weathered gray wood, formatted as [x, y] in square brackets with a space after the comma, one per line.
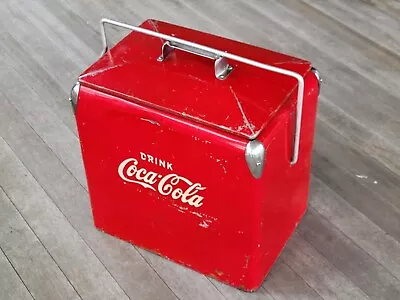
[11, 285]
[384, 150]
[353, 160]
[318, 272]
[340, 43]
[363, 18]
[38, 79]
[357, 226]
[57, 136]
[373, 279]
[35, 266]
[185, 283]
[284, 283]
[347, 185]
[56, 32]
[85, 272]
[236, 294]
[52, 58]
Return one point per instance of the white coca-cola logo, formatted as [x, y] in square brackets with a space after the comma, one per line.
[166, 185]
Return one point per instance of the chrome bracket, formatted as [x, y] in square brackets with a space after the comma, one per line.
[319, 78]
[73, 98]
[255, 157]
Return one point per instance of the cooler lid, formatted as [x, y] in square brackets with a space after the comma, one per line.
[185, 84]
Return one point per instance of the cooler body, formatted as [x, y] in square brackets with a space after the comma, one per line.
[185, 189]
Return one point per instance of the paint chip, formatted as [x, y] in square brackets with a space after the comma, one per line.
[204, 224]
[362, 176]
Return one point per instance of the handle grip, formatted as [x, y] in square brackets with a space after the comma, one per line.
[221, 66]
[222, 54]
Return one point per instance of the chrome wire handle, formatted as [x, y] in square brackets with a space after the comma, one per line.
[223, 54]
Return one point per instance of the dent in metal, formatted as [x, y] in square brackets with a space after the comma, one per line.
[255, 158]
[318, 76]
[73, 98]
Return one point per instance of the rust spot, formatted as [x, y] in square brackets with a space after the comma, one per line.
[242, 287]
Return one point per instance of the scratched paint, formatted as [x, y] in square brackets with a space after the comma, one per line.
[150, 121]
[247, 124]
[102, 70]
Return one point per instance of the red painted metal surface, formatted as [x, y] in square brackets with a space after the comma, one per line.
[163, 145]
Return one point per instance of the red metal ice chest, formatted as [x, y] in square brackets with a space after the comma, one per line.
[197, 154]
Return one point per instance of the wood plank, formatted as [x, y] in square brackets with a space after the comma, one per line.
[37, 78]
[73, 17]
[374, 177]
[336, 40]
[381, 145]
[285, 284]
[92, 14]
[67, 43]
[230, 293]
[56, 61]
[186, 283]
[318, 272]
[364, 18]
[35, 266]
[373, 279]
[11, 285]
[347, 185]
[133, 274]
[45, 122]
[86, 273]
[381, 148]
[367, 235]
[389, 7]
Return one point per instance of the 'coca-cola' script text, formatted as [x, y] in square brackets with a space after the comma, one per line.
[166, 185]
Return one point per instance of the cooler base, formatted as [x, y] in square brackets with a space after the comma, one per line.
[239, 283]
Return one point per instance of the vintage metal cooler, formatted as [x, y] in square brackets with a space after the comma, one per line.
[197, 147]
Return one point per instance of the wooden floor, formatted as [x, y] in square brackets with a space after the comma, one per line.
[346, 247]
